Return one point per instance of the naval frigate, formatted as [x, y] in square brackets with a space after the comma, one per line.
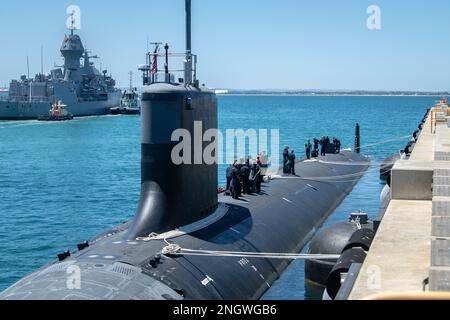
[85, 90]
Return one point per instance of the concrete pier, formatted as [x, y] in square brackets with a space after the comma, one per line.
[412, 245]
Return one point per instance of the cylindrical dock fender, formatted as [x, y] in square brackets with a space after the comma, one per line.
[349, 257]
[362, 238]
[409, 148]
[331, 241]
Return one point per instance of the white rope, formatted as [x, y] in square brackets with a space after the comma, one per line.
[385, 141]
[329, 178]
[354, 164]
[173, 249]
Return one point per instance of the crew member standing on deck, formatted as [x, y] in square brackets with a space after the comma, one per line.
[235, 183]
[327, 144]
[229, 174]
[338, 146]
[255, 177]
[286, 160]
[316, 148]
[308, 148]
[292, 159]
[323, 146]
[245, 174]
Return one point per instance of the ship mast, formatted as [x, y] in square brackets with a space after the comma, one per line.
[131, 80]
[72, 21]
[28, 67]
[29, 80]
[188, 61]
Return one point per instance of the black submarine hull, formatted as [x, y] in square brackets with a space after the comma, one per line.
[281, 219]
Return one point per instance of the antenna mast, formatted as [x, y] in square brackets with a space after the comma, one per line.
[72, 21]
[29, 80]
[188, 61]
[131, 80]
[28, 67]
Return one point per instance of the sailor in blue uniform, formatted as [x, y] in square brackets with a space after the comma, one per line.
[308, 148]
[235, 182]
[229, 175]
[316, 148]
[286, 160]
[322, 146]
[245, 175]
[256, 178]
[292, 159]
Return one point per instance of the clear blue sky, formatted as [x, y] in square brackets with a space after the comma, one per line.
[248, 44]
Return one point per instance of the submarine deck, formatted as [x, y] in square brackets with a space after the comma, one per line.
[411, 246]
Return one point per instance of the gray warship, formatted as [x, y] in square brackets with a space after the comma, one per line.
[85, 90]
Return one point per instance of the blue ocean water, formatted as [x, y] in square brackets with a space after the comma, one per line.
[63, 183]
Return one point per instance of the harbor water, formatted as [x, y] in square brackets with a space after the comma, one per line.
[63, 183]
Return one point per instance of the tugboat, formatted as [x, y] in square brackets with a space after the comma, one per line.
[58, 112]
[130, 103]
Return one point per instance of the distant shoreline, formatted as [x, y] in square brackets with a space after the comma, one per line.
[333, 95]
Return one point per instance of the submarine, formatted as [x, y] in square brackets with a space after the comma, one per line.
[174, 247]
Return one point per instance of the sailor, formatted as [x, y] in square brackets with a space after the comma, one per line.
[316, 148]
[308, 148]
[256, 178]
[286, 160]
[338, 146]
[327, 144]
[323, 146]
[229, 175]
[235, 183]
[259, 180]
[292, 162]
[244, 173]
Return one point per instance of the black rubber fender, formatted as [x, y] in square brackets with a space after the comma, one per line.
[362, 238]
[343, 265]
[409, 148]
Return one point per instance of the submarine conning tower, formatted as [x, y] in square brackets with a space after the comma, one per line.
[174, 195]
